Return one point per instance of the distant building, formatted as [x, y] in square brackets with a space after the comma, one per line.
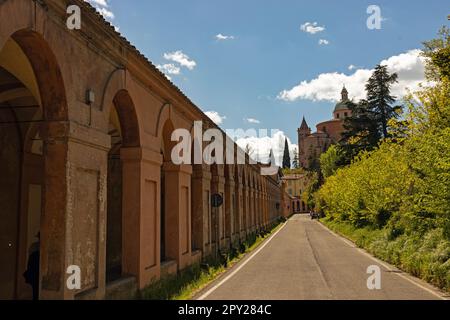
[312, 145]
[296, 185]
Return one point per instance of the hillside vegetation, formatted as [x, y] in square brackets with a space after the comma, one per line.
[394, 200]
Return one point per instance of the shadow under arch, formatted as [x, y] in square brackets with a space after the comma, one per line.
[50, 99]
[165, 134]
[47, 73]
[124, 132]
[129, 124]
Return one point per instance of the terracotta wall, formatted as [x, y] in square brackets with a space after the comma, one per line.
[78, 199]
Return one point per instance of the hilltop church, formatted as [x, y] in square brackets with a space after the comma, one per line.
[312, 145]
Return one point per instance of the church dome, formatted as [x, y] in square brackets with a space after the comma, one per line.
[342, 105]
[345, 103]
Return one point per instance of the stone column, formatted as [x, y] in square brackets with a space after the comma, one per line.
[248, 214]
[53, 258]
[245, 208]
[140, 213]
[258, 206]
[73, 223]
[218, 214]
[239, 209]
[178, 213]
[229, 206]
[255, 201]
[252, 206]
[201, 209]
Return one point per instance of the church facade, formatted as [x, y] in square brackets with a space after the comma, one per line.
[312, 144]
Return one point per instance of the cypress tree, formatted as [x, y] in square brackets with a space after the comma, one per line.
[296, 161]
[286, 156]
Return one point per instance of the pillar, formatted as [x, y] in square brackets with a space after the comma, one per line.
[201, 209]
[229, 206]
[238, 209]
[178, 213]
[73, 223]
[140, 214]
[218, 214]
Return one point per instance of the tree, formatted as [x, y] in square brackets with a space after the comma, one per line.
[286, 156]
[361, 131]
[371, 118]
[331, 160]
[379, 98]
[248, 149]
[400, 190]
[296, 162]
[438, 53]
[272, 158]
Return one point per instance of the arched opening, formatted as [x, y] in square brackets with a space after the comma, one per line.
[31, 95]
[124, 133]
[166, 149]
[18, 108]
[114, 206]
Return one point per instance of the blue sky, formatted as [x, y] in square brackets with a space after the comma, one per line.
[242, 77]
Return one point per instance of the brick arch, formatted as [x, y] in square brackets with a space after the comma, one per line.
[115, 83]
[128, 118]
[169, 119]
[47, 73]
[165, 139]
[51, 93]
[118, 94]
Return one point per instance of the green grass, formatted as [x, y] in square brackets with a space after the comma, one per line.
[190, 281]
[425, 256]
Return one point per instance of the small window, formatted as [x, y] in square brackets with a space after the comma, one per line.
[345, 114]
[337, 115]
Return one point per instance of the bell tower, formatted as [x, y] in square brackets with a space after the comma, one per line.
[344, 94]
[303, 132]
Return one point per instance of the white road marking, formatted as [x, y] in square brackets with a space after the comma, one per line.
[389, 267]
[252, 255]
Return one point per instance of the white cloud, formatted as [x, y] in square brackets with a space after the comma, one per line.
[216, 117]
[102, 6]
[180, 58]
[252, 120]
[169, 68]
[409, 66]
[323, 42]
[261, 146]
[352, 67]
[311, 27]
[221, 37]
[99, 2]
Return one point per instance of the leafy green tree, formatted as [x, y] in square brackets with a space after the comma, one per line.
[312, 187]
[286, 156]
[360, 131]
[397, 196]
[331, 160]
[438, 51]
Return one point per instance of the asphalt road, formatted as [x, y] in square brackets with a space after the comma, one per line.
[305, 261]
